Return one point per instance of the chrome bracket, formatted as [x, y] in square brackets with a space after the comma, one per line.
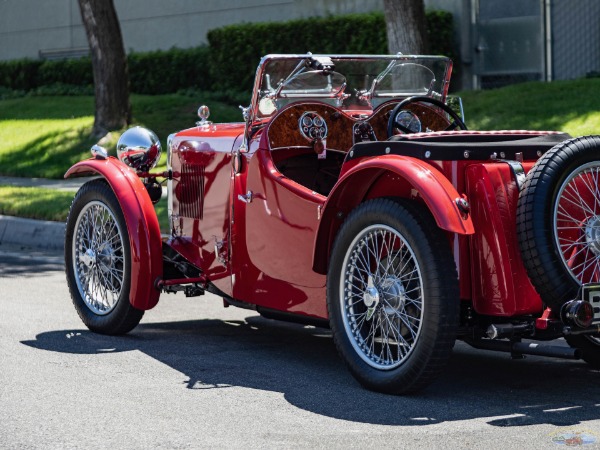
[246, 198]
[519, 173]
[220, 254]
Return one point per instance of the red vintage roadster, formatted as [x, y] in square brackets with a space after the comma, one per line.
[352, 196]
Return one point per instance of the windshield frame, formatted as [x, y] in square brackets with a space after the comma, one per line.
[393, 61]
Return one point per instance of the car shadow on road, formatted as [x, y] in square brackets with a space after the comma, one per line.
[301, 362]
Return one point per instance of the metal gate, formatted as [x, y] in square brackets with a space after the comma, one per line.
[509, 42]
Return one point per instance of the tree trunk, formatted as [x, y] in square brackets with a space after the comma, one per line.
[109, 62]
[406, 27]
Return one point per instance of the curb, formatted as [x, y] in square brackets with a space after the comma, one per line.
[68, 184]
[39, 234]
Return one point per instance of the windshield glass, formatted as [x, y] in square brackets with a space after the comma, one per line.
[313, 84]
[406, 79]
[349, 82]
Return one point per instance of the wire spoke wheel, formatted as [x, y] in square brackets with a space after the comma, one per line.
[98, 260]
[381, 296]
[392, 295]
[558, 224]
[576, 222]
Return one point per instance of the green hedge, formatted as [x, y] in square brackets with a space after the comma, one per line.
[162, 72]
[229, 63]
[20, 74]
[157, 72]
[68, 71]
[28, 74]
[440, 31]
[235, 50]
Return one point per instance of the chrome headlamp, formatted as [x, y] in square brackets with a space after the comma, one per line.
[139, 148]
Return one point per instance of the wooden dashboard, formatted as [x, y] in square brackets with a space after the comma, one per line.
[284, 130]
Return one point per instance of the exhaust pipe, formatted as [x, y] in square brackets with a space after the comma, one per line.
[507, 330]
[526, 348]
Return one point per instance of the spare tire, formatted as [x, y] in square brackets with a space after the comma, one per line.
[558, 220]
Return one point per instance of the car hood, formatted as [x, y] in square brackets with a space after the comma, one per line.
[219, 130]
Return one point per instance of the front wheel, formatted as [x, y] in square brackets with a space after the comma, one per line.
[98, 261]
[392, 296]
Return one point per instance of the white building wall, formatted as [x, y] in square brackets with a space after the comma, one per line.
[28, 27]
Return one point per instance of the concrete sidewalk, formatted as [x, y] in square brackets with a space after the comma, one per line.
[36, 234]
[69, 184]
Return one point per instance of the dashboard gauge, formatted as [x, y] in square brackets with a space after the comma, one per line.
[318, 121]
[312, 126]
[306, 121]
[408, 120]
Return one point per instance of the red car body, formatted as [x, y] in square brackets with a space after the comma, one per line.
[254, 218]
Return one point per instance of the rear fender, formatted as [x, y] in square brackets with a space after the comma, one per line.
[388, 176]
[142, 226]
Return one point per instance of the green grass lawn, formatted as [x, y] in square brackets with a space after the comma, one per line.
[43, 136]
[569, 106]
[35, 203]
[50, 204]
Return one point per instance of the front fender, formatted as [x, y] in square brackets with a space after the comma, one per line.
[142, 225]
[385, 176]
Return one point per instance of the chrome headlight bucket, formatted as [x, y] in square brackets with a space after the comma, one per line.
[169, 150]
[139, 148]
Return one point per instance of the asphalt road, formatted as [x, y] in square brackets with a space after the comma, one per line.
[196, 375]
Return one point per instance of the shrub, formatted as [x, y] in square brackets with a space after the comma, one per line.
[66, 72]
[228, 64]
[157, 72]
[166, 71]
[20, 74]
[440, 31]
[235, 50]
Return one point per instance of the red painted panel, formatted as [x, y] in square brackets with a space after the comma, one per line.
[500, 283]
[281, 224]
[389, 175]
[221, 130]
[431, 184]
[272, 239]
[201, 164]
[142, 226]
[455, 172]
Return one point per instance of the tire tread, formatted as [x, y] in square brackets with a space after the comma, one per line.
[124, 317]
[435, 351]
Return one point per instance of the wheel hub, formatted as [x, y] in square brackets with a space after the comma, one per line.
[381, 297]
[88, 258]
[592, 234]
[99, 265]
[371, 297]
[105, 258]
[394, 294]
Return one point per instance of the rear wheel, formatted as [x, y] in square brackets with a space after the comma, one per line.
[98, 262]
[558, 223]
[392, 295]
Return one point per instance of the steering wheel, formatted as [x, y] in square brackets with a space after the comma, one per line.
[392, 123]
